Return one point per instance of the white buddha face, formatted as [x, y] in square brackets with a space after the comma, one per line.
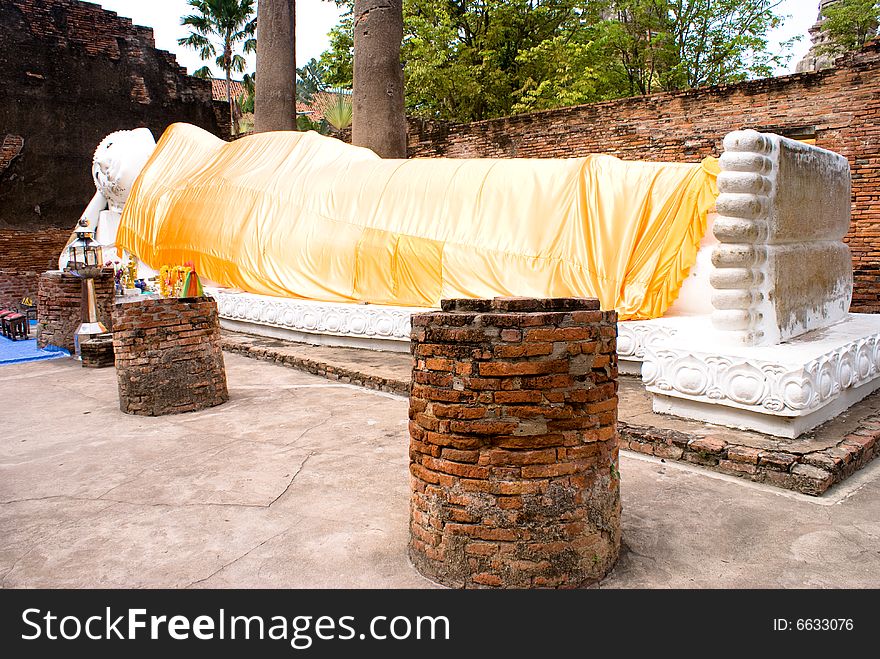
[118, 160]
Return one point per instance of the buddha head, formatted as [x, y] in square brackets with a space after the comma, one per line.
[118, 160]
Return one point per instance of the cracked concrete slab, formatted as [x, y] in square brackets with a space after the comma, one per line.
[298, 482]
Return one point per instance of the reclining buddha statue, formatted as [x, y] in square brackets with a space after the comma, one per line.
[302, 216]
[720, 270]
[293, 214]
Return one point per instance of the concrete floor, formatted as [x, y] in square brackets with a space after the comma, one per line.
[297, 482]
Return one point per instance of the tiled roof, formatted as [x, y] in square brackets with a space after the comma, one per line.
[312, 110]
[218, 89]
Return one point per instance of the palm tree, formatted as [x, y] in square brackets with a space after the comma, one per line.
[310, 80]
[230, 22]
[335, 106]
[275, 106]
[377, 90]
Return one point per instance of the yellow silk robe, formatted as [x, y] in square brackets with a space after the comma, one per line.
[295, 214]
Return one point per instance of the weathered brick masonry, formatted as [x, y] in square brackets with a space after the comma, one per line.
[24, 256]
[841, 106]
[514, 448]
[168, 356]
[97, 352]
[59, 307]
[807, 471]
[71, 73]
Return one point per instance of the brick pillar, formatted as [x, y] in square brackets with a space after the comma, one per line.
[60, 307]
[168, 356]
[513, 443]
[97, 352]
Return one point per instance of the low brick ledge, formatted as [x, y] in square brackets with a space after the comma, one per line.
[316, 367]
[808, 473]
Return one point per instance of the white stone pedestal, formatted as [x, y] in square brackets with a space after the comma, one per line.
[782, 390]
[634, 337]
[691, 369]
[370, 326]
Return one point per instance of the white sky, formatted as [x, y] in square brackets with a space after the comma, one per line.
[802, 14]
[314, 18]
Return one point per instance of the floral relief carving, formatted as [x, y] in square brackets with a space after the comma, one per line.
[339, 319]
[761, 386]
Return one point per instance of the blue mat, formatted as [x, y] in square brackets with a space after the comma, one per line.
[16, 352]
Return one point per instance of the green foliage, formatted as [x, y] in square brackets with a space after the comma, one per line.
[312, 89]
[470, 61]
[336, 106]
[310, 80]
[246, 123]
[680, 44]
[217, 29]
[849, 25]
[559, 72]
[466, 61]
[338, 61]
[245, 101]
[305, 123]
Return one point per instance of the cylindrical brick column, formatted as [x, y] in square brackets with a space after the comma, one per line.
[168, 355]
[513, 449]
[60, 306]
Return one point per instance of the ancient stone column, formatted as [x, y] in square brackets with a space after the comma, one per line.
[168, 355]
[514, 447]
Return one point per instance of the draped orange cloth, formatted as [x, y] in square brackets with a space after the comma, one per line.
[295, 214]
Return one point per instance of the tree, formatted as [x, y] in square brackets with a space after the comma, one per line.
[232, 23]
[245, 104]
[312, 90]
[378, 120]
[679, 44]
[247, 99]
[472, 61]
[467, 61]
[335, 106]
[310, 80]
[334, 103]
[338, 59]
[849, 25]
[275, 106]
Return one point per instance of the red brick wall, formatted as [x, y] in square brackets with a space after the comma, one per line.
[15, 285]
[32, 250]
[9, 150]
[70, 74]
[23, 256]
[841, 104]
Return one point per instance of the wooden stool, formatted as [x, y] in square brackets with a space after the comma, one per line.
[29, 311]
[3, 314]
[15, 326]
